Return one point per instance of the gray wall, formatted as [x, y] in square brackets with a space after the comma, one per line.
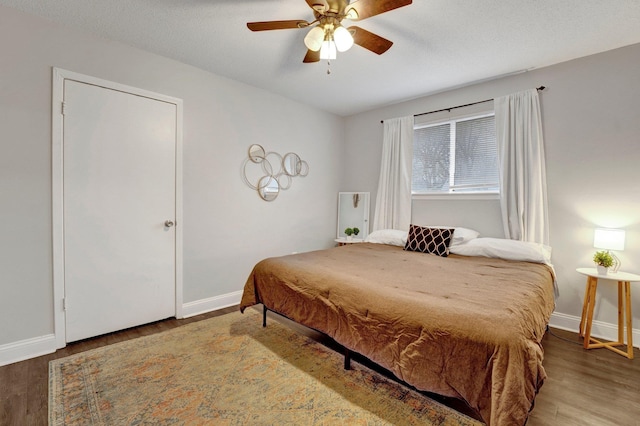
[227, 227]
[591, 129]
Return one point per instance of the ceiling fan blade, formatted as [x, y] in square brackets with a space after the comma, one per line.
[319, 6]
[337, 6]
[368, 8]
[311, 56]
[369, 40]
[277, 25]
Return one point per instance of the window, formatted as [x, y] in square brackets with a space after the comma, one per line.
[456, 156]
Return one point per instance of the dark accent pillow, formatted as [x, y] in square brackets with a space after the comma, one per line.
[429, 240]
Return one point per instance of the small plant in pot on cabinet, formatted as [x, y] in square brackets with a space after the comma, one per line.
[603, 261]
[349, 232]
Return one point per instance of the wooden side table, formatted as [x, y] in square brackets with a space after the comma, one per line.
[624, 280]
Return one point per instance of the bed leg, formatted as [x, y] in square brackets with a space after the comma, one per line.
[347, 359]
[264, 316]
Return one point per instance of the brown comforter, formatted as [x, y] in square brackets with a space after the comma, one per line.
[466, 327]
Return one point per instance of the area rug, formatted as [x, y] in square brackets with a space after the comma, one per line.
[229, 370]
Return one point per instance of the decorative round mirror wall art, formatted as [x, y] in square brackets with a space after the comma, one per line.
[256, 153]
[276, 172]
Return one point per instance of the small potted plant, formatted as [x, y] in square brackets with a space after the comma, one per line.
[356, 231]
[603, 261]
[349, 232]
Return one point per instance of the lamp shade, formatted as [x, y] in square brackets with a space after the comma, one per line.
[313, 39]
[343, 39]
[609, 239]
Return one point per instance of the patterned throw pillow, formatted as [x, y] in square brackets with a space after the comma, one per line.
[429, 240]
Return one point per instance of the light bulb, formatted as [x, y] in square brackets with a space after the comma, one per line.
[313, 39]
[328, 50]
[343, 39]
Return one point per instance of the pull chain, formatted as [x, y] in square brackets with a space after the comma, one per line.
[328, 67]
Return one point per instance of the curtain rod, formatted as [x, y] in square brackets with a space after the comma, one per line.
[462, 106]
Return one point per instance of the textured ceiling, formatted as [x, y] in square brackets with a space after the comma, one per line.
[438, 44]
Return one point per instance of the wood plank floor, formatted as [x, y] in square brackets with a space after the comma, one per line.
[595, 387]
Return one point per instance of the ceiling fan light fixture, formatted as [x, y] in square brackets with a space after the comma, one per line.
[314, 38]
[328, 50]
[326, 36]
[343, 39]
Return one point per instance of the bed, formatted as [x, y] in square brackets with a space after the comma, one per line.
[460, 326]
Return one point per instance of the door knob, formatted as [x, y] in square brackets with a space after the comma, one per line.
[168, 223]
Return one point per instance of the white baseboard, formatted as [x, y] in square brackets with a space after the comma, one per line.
[202, 306]
[37, 346]
[599, 329]
[25, 349]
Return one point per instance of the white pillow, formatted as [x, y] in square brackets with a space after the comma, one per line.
[462, 235]
[394, 237]
[504, 249]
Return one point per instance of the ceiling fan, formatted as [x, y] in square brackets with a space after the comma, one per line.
[329, 36]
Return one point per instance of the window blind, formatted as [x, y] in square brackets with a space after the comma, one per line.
[458, 155]
[476, 162]
[431, 158]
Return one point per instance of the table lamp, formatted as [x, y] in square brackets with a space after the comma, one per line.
[610, 239]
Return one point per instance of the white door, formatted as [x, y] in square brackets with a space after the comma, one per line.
[119, 188]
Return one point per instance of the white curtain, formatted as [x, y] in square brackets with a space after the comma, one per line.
[523, 181]
[393, 202]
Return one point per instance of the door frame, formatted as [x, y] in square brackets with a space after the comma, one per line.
[57, 168]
